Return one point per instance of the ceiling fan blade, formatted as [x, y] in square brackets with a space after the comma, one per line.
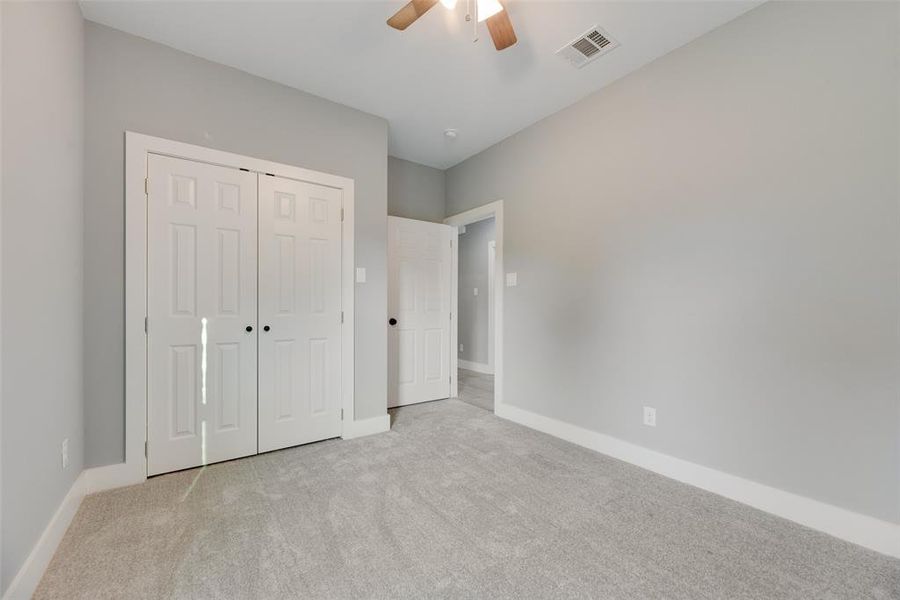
[407, 15]
[501, 29]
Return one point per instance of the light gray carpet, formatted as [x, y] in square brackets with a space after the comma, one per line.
[476, 388]
[453, 502]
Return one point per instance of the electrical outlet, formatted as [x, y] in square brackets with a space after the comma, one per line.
[64, 450]
[461, 348]
[649, 416]
[512, 279]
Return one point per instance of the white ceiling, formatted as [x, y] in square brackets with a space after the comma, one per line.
[430, 77]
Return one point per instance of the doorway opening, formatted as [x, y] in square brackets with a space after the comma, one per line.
[196, 318]
[475, 292]
[478, 299]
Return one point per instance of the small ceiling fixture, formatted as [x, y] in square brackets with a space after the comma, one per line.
[451, 134]
[493, 12]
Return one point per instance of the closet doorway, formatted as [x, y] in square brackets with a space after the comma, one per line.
[245, 328]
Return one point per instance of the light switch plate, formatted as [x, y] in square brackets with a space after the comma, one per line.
[476, 291]
[360, 274]
[512, 279]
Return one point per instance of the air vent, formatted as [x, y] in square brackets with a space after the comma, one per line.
[590, 46]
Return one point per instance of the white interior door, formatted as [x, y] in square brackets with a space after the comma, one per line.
[299, 312]
[419, 300]
[201, 300]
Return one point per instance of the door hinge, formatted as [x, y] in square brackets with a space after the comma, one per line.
[146, 186]
[342, 215]
[342, 316]
[146, 325]
[451, 316]
[342, 414]
[146, 449]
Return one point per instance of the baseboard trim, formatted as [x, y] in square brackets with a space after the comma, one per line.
[88, 482]
[866, 531]
[476, 366]
[363, 427]
[29, 576]
[109, 477]
[99, 479]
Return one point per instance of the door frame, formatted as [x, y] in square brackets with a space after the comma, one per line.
[492, 209]
[137, 147]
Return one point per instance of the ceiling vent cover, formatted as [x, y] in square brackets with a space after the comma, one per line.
[590, 46]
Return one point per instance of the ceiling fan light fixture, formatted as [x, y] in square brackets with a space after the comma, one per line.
[488, 8]
[449, 4]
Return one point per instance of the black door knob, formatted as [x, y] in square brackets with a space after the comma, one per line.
[249, 328]
[266, 328]
[392, 321]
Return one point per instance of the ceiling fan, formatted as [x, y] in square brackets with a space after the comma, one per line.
[491, 11]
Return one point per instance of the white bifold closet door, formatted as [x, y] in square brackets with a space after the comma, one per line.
[244, 313]
[201, 278]
[299, 312]
[419, 300]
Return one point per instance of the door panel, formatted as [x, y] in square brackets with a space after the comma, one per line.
[419, 262]
[201, 282]
[300, 300]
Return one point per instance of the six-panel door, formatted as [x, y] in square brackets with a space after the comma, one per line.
[201, 282]
[419, 279]
[228, 378]
[299, 312]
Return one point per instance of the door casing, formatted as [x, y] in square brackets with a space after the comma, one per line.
[137, 148]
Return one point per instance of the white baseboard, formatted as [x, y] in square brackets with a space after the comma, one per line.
[872, 533]
[29, 576]
[363, 427]
[100, 479]
[88, 482]
[109, 477]
[856, 528]
[476, 366]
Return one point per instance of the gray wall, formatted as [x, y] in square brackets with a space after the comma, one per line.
[474, 311]
[134, 84]
[716, 235]
[415, 191]
[42, 168]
